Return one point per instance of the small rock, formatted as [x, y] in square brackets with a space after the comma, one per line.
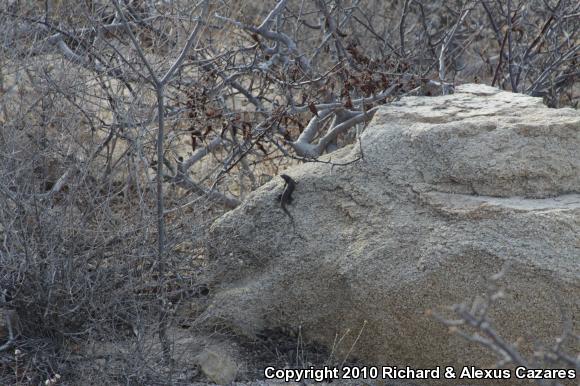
[218, 365]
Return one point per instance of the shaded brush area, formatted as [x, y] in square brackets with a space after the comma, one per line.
[128, 127]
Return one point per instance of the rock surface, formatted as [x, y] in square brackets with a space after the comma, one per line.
[217, 365]
[450, 189]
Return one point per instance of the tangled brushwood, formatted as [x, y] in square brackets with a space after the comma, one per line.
[126, 127]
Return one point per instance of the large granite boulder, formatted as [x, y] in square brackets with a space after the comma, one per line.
[448, 189]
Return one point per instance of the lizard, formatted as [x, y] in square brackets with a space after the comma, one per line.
[286, 199]
[286, 196]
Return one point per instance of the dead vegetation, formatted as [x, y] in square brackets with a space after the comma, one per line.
[127, 126]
